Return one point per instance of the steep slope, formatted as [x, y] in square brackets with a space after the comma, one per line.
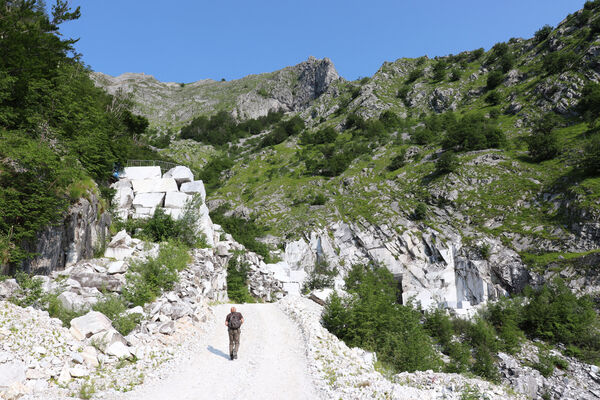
[172, 105]
[367, 181]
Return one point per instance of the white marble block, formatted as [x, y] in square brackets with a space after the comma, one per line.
[193, 188]
[176, 199]
[180, 173]
[154, 185]
[148, 200]
[142, 173]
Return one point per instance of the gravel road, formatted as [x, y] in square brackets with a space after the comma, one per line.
[271, 363]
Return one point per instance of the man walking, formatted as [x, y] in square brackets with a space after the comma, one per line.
[234, 321]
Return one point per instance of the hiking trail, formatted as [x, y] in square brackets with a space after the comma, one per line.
[271, 362]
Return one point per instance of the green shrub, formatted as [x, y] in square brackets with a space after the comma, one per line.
[322, 276]
[372, 319]
[439, 70]
[589, 104]
[493, 98]
[545, 364]
[555, 314]
[56, 310]
[423, 136]
[420, 212]
[484, 364]
[558, 61]
[494, 79]
[245, 231]
[237, 281]
[591, 156]
[542, 33]
[398, 161]
[318, 200]
[455, 75]
[160, 227]
[146, 280]
[114, 308]
[30, 290]
[476, 54]
[414, 75]
[473, 132]
[447, 162]
[543, 141]
[403, 94]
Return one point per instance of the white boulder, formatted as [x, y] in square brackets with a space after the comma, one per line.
[148, 200]
[193, 188]
[71, 301]
[120, 247]
[106, 338]
[118, 349]
[11, 373]
[142, 173]
[89, 324]
[123, 197]
[117, 267]
[176, 200]
[180, 173]
[154, 185]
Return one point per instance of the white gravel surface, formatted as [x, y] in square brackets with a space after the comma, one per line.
[272, 362]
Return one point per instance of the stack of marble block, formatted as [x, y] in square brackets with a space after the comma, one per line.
[140, 191]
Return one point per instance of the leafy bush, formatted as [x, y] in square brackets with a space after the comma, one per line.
[555, 314]
[423, 136]
[30, 290]
[403, 94]
[542, 33]
[372, 319]
[56, 310]
[146, 280]
[589, 105]
[591, 156]
[115, 309]
[320, 277]
[448, 162]
[476, 54]
[543, 141]
[439, 70]
[558, 61]
[455, 75]
[221, 128]
[245, 231]
[494, 79]
[237, 281]
[398, 161]
[473, 132]
[414, 75]
[493, 98]
[420, 212]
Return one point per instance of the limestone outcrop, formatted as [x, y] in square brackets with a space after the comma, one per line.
[83, 229]
[432, 268]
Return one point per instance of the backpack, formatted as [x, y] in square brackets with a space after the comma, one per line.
[235, 321]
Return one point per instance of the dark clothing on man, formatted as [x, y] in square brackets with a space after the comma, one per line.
[234, 334]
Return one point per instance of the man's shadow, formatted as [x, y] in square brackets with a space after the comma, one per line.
[217, 352]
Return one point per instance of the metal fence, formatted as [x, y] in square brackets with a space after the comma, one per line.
[164, 165]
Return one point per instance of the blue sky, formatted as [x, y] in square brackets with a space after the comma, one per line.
[188, 40]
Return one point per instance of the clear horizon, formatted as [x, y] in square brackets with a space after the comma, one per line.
[195, 40]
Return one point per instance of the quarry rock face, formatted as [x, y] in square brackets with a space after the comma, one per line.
[83, 229]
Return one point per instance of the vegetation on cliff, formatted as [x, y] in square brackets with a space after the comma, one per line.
[57, 130]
